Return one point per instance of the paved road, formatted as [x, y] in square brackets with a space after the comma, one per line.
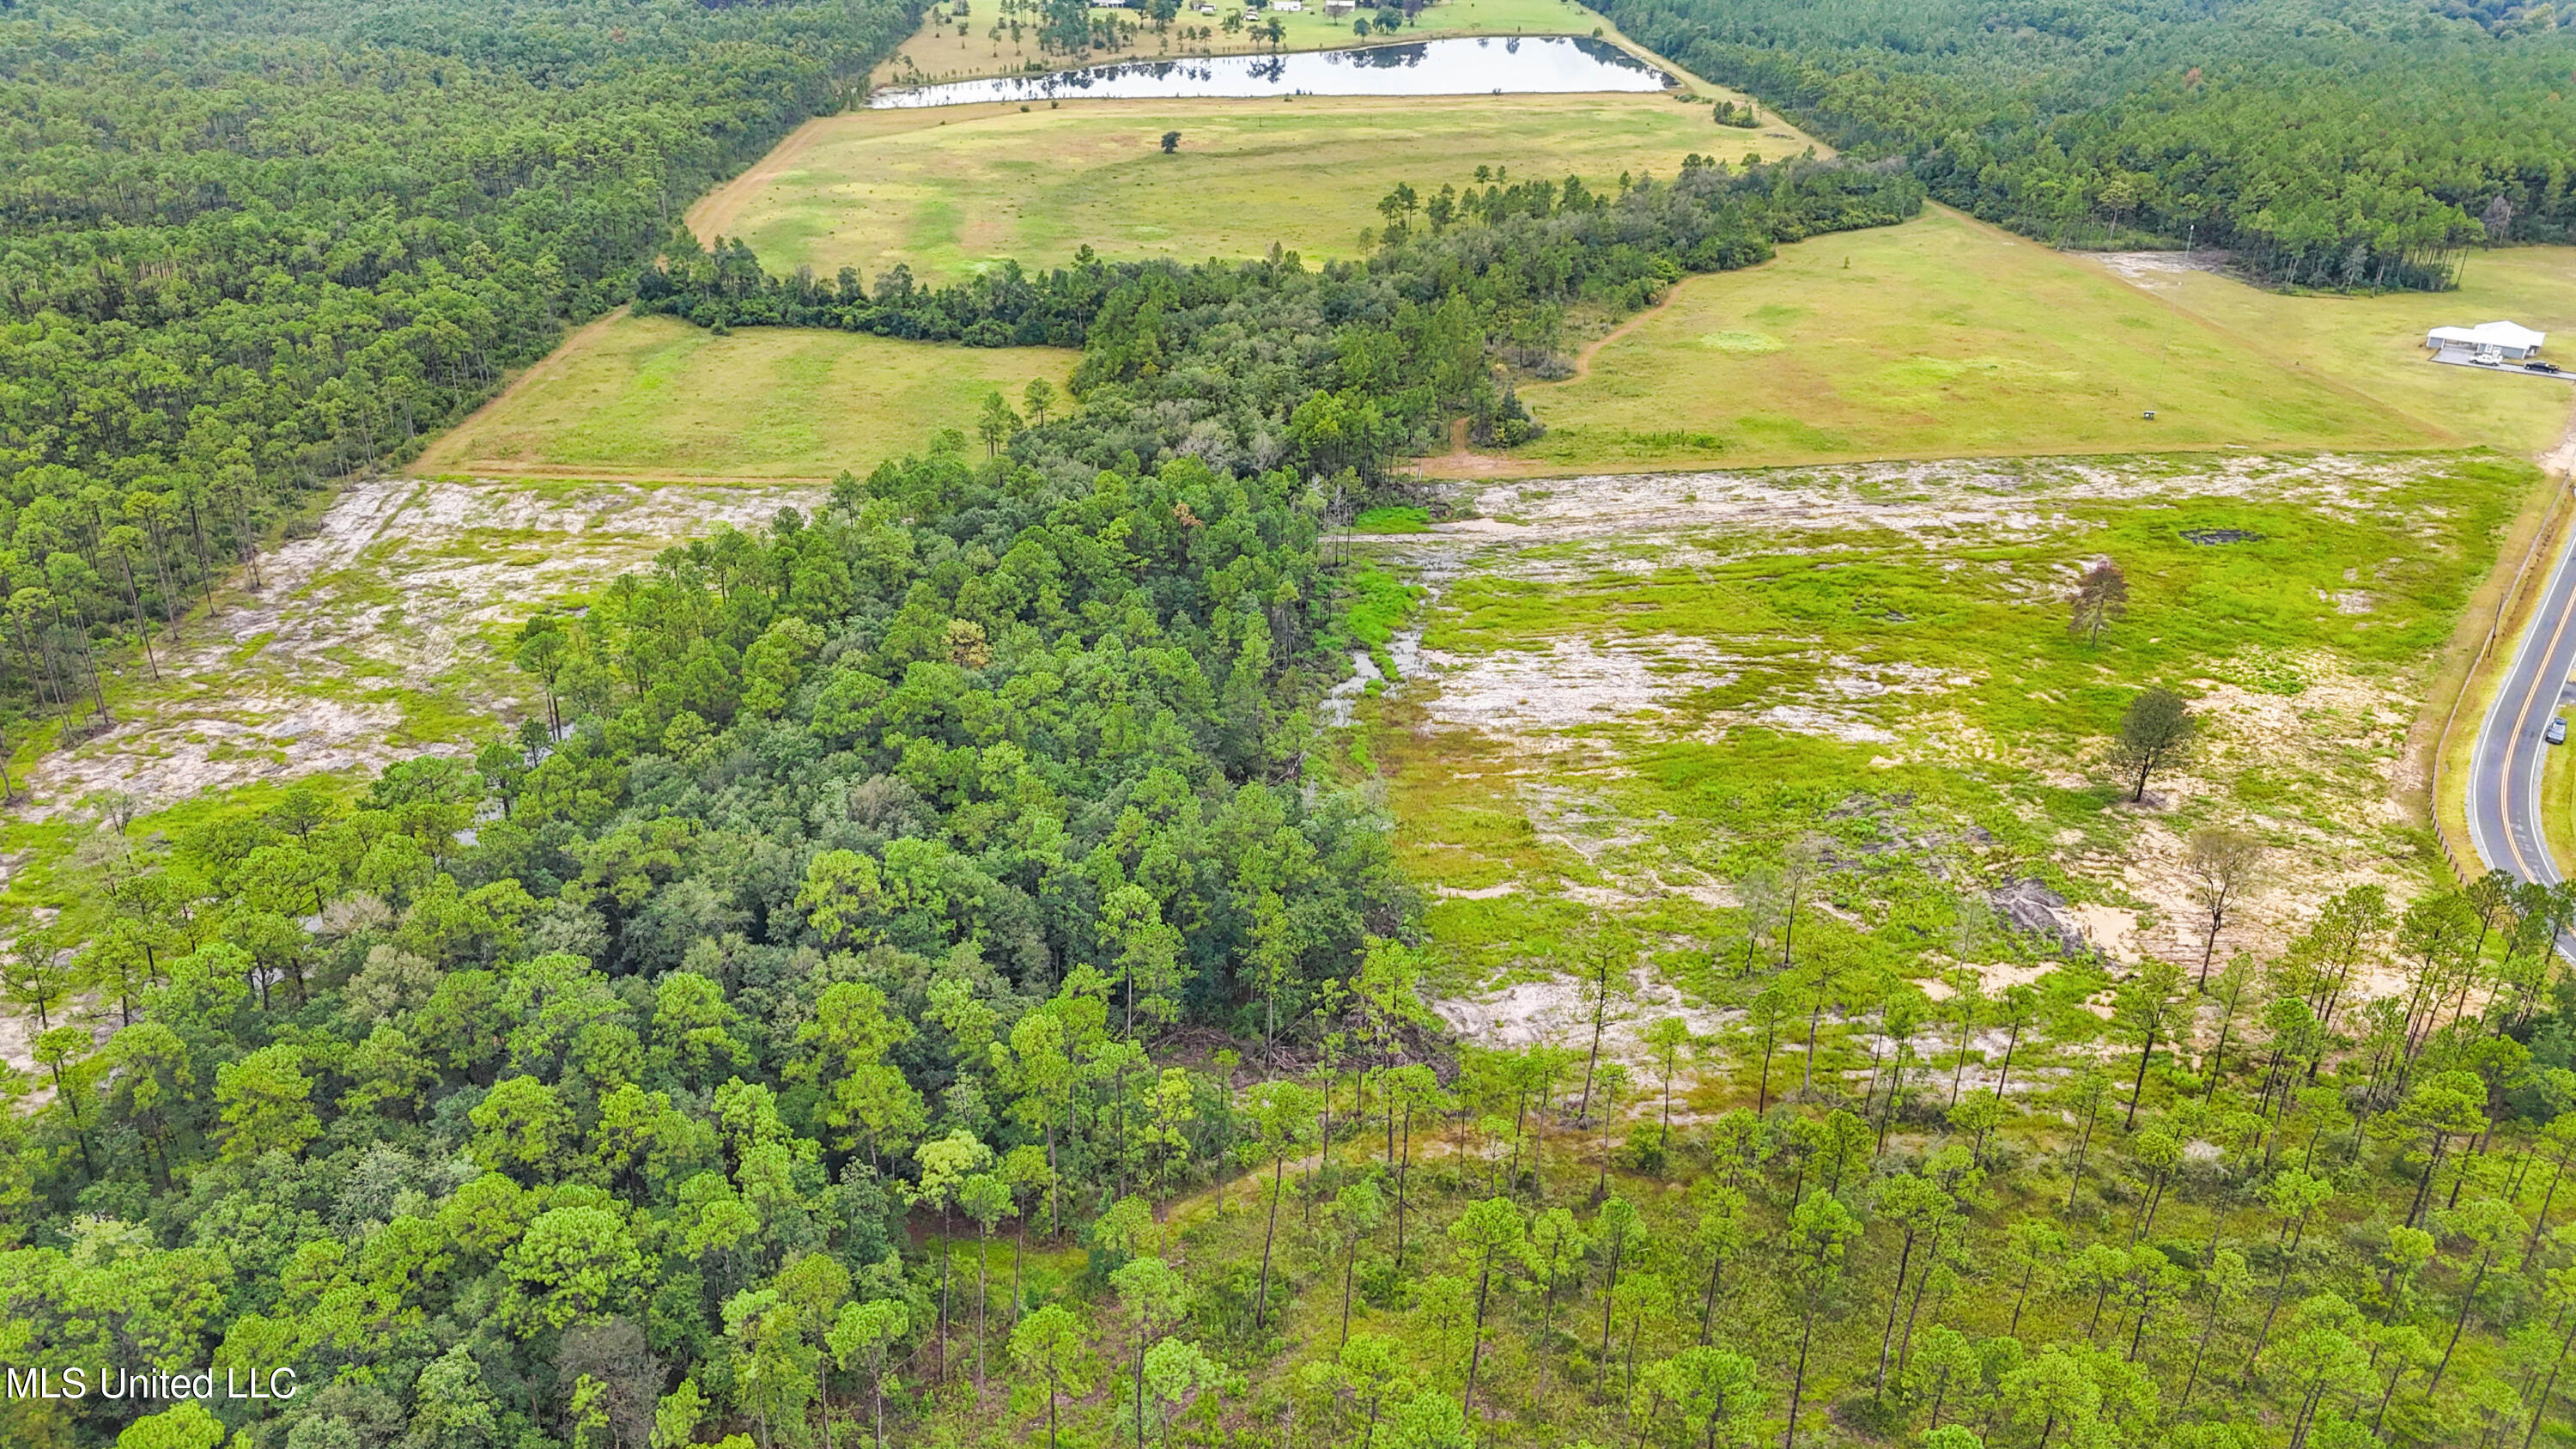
[2504, 767]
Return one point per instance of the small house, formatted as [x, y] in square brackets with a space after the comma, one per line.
[2509, 340]
[1289, 7]
[1336, 9]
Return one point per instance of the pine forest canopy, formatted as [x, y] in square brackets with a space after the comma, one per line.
[249, 245]
[2332, 143]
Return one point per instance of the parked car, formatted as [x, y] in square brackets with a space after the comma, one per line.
[2556, 734]
[2538, 366]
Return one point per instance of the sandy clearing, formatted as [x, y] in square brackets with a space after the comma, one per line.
[2330, 743]
[360, 644]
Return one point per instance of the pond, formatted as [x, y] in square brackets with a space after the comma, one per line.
[1462, 66]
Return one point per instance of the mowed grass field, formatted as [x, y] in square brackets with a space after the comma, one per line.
[654, 397]
[2375, 344]
[1939, 338]
[938, 51]
[952, 190]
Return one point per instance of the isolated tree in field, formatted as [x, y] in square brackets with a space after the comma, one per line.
[2155, 732]
[1830, 969]
[1769, 1010]
[1489, 1236]
[1039, 397]
[1666, 1039]
[1802, 872]
[2014, 1010]
[1050, 1344]
[2222, 862]
[1171, 142]
[2101, 597]
[2144, 1011]
[1608, 957]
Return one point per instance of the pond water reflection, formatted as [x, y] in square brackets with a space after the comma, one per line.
[1451, 67]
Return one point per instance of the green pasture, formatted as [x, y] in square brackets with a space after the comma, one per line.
[953, 191]
[655, 396]
[1939, 338]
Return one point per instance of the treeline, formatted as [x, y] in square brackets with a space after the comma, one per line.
[249, 246]
[1254, 364]
[2342, 145]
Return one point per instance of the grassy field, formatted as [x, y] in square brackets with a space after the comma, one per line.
[1626, 694]
[953, 47]
[956, 189]
[2375, 344]
[1939, 338]
[656, 397]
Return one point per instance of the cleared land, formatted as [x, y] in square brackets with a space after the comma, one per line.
[1623, 692]
[2375, 344]
[654, 397]
[373, 637]
[1939, 338]
[953, 190]
[948, 47]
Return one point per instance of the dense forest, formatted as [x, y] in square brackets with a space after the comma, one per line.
[250, 245]
[2331, 143]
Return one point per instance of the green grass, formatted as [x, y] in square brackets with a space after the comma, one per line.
[654, 396]
[955, 190]
[1994, 724]
[2375, 344]
[1938, 338]
[1395, 518]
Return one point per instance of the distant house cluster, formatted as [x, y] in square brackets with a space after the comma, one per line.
[2505, 341]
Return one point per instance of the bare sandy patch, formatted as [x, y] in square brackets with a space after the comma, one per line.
[371, 639]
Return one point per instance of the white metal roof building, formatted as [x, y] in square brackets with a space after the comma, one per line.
[2510, 339]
